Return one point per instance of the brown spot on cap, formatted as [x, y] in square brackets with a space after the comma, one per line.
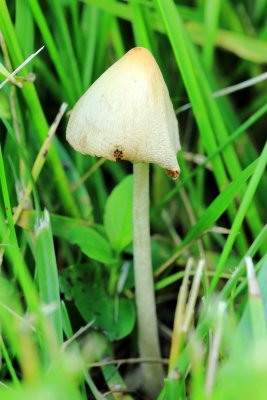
[173, 174]
[118, 154]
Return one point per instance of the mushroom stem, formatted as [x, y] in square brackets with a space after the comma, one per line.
[148, 340]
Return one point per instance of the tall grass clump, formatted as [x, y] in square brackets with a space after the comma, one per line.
[68, 319]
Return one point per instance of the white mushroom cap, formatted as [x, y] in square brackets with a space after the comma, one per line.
[127, 113]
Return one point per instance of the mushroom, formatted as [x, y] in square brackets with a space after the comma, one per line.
[127, 114]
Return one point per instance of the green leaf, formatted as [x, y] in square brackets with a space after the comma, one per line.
[118, 215]
[83, 283]
[91, 243]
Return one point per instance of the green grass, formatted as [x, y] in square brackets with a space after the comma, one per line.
[66, 222]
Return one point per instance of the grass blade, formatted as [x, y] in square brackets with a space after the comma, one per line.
[37, 116]
[253, 184]
[47, 272]
[212, 213]
[212, 10]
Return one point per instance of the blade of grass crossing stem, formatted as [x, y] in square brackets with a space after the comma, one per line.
[256, 308]
[53, 51]
[208, 116]
[211, 11]
[38, 119]
[47, 272]
[246, 201]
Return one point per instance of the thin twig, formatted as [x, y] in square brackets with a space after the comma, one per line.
[121, 390]
[164, 361]
[171, 260]
[20, 67]
[215, 229]
[198, 159]
[6, 387]
[229, 90]
[77, 334]
[16, 315]
[88, 174]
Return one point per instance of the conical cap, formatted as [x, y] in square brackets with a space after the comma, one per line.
[127, 113]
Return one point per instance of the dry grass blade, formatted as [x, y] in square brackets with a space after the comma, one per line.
[193, 296]
[179, 316]
[20, 67]
[40, 160]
